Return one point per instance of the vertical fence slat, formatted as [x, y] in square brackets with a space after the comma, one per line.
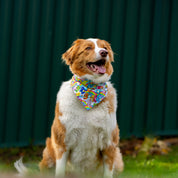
[103, 19]
[158, 67]
[43, 74]
[76, 21]
[163, 61]
[29, 71]
[171, 117]
[90, 19]
[142, 67]
[16, 62]
[128, 66]
[6, 11]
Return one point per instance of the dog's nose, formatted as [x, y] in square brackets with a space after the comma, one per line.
[103, 53]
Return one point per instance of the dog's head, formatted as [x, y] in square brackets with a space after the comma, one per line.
[90, 59]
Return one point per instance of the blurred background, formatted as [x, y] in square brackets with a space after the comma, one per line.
[35, 33]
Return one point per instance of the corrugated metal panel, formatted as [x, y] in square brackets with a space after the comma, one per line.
[33, 36]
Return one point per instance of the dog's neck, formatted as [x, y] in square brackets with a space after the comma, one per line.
[96, 79]
[89, 93]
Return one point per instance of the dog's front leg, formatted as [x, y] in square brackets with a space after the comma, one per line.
[58, 133]
[61, 164]
[107, 171]
[108, 160]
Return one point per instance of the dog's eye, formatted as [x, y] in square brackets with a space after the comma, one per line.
[88, 48]
[105, 48]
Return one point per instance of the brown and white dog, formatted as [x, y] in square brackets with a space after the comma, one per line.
[88, 139]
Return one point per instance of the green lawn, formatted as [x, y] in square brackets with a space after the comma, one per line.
[141, 166]
[152, 166]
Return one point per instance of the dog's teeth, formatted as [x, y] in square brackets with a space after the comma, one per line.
[93, 66]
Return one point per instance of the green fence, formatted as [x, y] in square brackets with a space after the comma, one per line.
[35, 33]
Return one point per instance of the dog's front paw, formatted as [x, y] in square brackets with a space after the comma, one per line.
[107, 176]
[60, 173]
[108, 173]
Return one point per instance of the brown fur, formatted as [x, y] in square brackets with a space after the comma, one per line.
[48, 156]
[118, 163]
[109, 98]
[55, 145]
[109, 68]
[58, 130]
[111, 151]
[115, 136]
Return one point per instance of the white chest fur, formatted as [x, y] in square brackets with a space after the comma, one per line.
[86, 131]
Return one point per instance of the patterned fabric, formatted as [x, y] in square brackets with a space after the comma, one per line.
[87, 92]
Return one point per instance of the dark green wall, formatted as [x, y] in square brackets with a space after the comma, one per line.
[35, 33]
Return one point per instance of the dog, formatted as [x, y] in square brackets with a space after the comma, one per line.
[85, 130]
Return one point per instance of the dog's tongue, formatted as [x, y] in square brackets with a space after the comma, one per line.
[98, 69]
[101, 69]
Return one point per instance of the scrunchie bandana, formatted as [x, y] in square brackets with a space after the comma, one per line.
[87, 92]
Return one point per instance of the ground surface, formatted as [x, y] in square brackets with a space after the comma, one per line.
[149, 158]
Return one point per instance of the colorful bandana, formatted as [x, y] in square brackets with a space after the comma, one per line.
[87, 92]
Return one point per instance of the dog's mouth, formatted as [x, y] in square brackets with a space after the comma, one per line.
[98, 66]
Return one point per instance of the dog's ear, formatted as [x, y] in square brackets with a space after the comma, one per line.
[111, 53]
[112, 56]
[70, 54]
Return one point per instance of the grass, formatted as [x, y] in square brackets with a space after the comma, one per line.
[140, 166]
[155, 166]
